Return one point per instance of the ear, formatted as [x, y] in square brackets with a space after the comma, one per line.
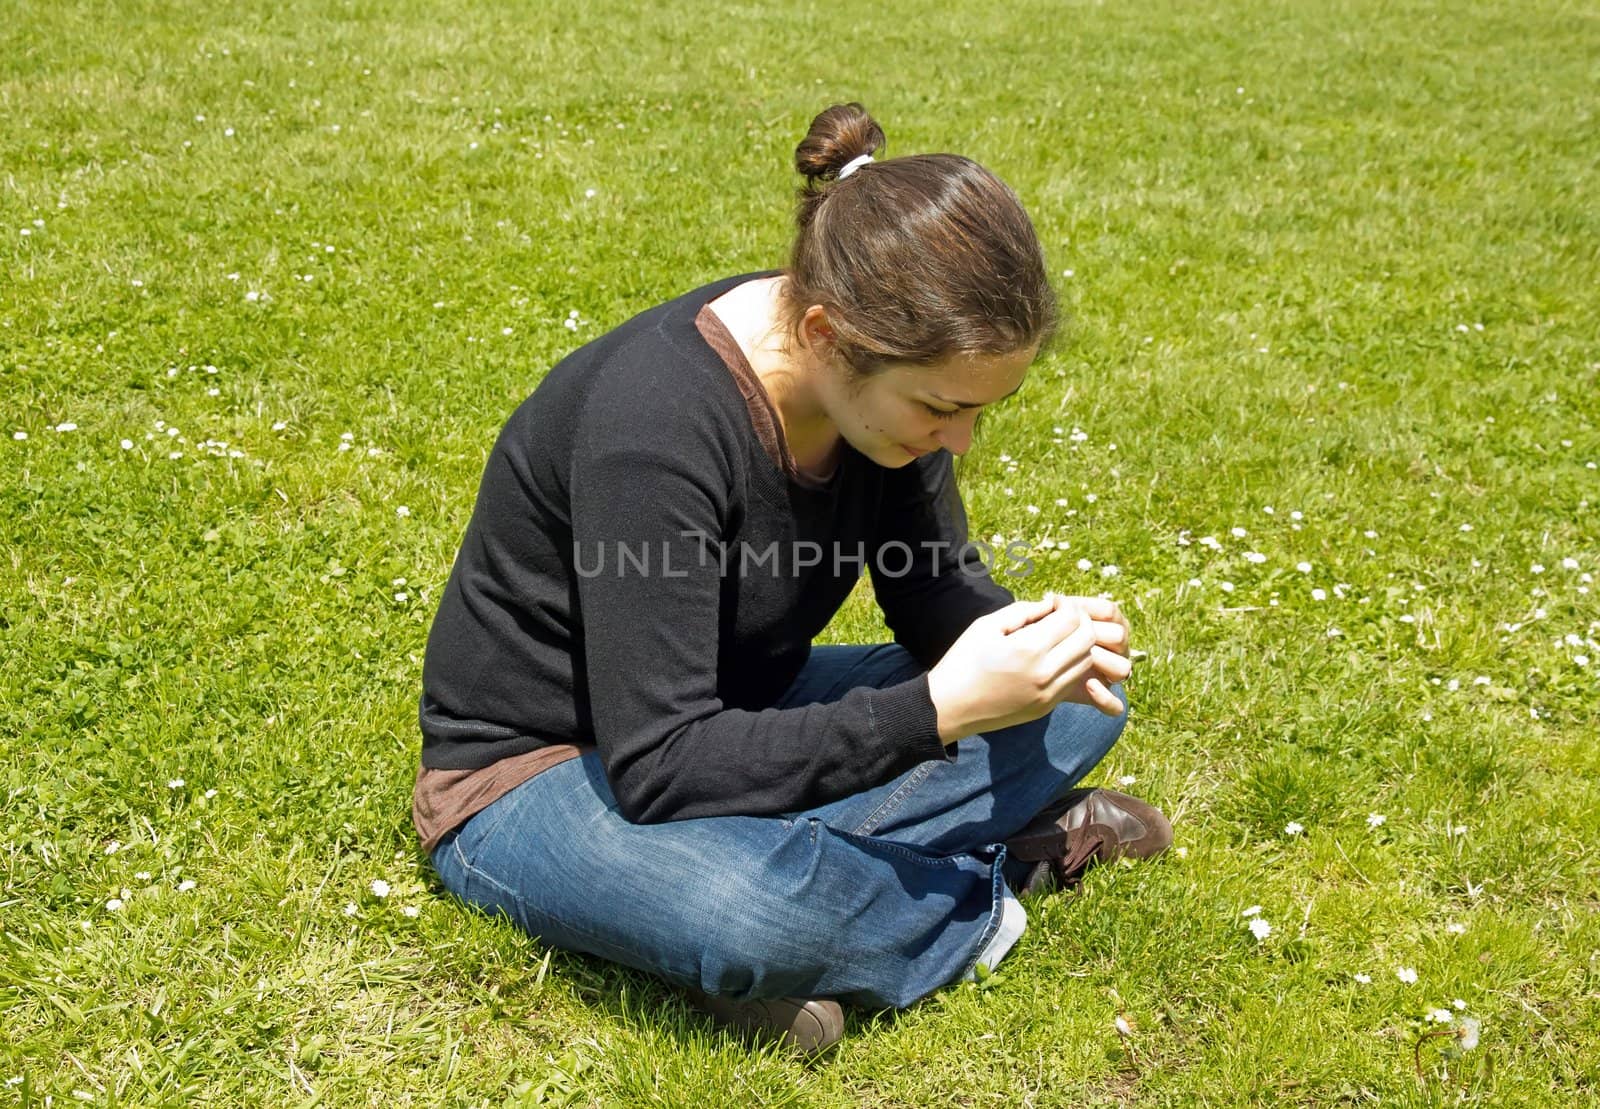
[816, 333]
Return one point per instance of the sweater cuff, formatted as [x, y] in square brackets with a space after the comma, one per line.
[905, 718]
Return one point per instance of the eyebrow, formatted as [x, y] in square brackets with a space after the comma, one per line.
[971, 404]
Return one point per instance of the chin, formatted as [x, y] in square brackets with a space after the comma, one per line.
[890, 455]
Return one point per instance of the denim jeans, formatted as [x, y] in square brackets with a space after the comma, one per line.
[876, 899]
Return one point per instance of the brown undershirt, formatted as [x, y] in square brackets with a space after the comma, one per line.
[443, 800]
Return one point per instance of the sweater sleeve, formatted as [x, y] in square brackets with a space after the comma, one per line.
[670, 747]
[946, 585]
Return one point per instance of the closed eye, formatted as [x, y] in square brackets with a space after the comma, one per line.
[941, 413]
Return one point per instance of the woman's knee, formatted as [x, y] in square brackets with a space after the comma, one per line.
[1083, 733]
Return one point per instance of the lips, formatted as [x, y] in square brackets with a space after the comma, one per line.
[913, 452]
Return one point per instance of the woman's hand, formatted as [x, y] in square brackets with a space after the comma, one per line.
[1016, 664]
[1111, 626]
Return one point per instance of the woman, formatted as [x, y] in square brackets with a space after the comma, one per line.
[629, 745]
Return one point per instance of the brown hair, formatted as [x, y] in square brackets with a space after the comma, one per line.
[915, 259]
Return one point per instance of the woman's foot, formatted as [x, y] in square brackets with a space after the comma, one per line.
[1084, 827]
[808, 1025]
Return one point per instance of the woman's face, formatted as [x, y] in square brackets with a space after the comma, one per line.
[904, 410]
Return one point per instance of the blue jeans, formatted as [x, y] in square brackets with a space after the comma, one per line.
[876, 899]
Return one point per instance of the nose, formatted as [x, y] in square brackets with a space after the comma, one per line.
[956, 436]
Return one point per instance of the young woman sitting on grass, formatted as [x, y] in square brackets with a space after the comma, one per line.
[630, 746]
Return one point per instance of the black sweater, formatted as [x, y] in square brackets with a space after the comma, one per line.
[635, 575]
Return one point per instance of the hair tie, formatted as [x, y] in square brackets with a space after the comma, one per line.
[852, 165]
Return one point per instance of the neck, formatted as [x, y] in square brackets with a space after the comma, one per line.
[752, 314]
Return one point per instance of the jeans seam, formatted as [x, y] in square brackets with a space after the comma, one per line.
[995, 914]
[528, 909]
[894, 801]
[903, 851]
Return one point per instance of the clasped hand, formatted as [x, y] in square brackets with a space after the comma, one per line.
[1019, 662]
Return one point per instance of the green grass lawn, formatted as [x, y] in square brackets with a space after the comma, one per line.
[1326, 419]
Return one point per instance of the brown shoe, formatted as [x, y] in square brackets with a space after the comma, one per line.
[809, 1025]
[1084, 827]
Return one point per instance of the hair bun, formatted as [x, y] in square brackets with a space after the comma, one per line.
[839, 135]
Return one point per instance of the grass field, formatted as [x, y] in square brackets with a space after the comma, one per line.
[1326, 420]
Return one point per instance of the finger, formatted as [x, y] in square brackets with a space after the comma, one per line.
[1102, 698]
[1055, 629]
[1098, 608]
[1069, 684]
[1112, 635]
[1071, 654]
[1104, 609]
[1122, 619]
[1111, 666]
[1020, 614]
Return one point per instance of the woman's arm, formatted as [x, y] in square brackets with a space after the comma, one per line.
[651, 643]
